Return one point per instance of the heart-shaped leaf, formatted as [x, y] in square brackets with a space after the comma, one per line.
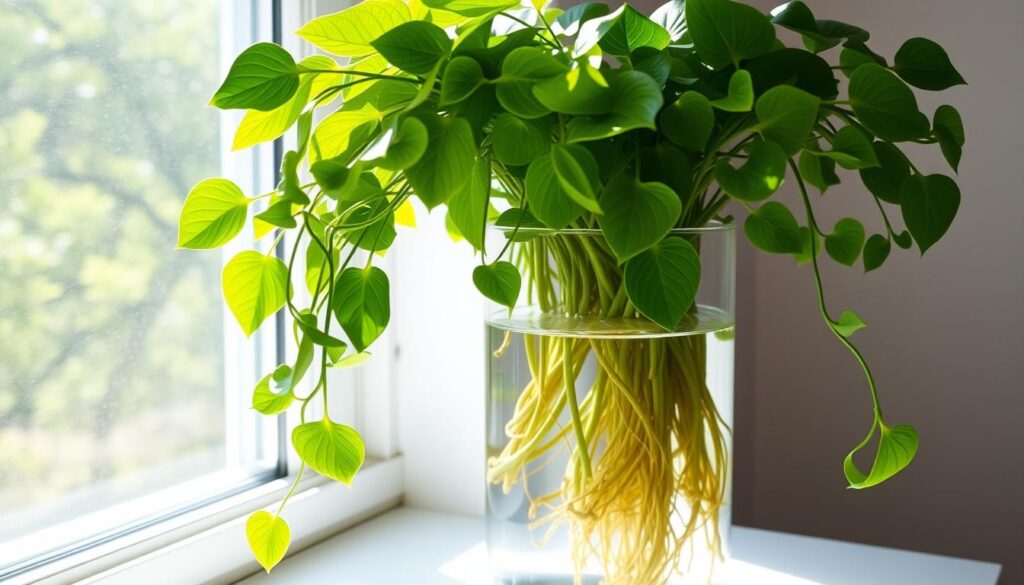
[462, 76]
[577, 173]
[758, 177]
[214, 212]
[268, 537]
[929, 205]
[547, 199]
[949, 129]
[255, 287]
[662, 281]
[518, 141]
[786, 115]
[520, 71]
[852, 149]
[818, 35]
[349, 33]
[795, 67]
[876, 250]
[885, 105]
[846, 241]
[689, 121]
[582, 90]
[923, 63]
[634, 101]
[263, 77]
[636, 215]
[362, 304]
[897, 447]
[467, 208]
[726, 32]
[886, 180]
[330, 449]
[772, 228]
[620, 33]
[267, 400]
[441, 171]
[416, 46]
[499, 282]
[818, 171]
[849, 323]
[399, 147]
[741, 93]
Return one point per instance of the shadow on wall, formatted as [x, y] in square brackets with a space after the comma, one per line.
[945, 335]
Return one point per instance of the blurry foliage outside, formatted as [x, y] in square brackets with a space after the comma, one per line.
[102, 324]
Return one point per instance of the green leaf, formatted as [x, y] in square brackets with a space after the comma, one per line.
[578, 91]
[662, 281]
[671, 16]
[807, 246]
[949, 129]
[849, 323]
[468, 207]
[759, 177]
[258, 126]
[896, 449]
[520, 71]
[903, 240]
[653, 62]
[929, 205]
[348, 33]
[547, 199]
[794, 67]
[499, 282]
[772, 228]
[885, 105]
[255, 287]
[876, 250]
[362, 304]
[689, 121]
[332, 176]
[351, 361]
[279, 214]
[741, 93]
[726, 32]
[852, 149]
[786, 115]
[818, 35]
[267, 400]
[517, 141]
[462, 76]
[634, 102]
[471, 7]
[669, 165]
[442, 170]
[416, 47]
[377, 235]
[620, 33]
[636, 215]
[524, 220]
[846, 241]
[924, 64]
[851, 59]
[817, 170]
[399, 147]
[214, 212]
[332, 450]
[343, 133]
[268, 537]
[577, 173]
[886, 180]
[263, 77]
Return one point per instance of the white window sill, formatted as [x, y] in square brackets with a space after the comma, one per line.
[427, 548]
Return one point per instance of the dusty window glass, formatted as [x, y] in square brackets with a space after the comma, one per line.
[112, 344]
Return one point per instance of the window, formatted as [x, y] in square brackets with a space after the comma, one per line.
[123, 382]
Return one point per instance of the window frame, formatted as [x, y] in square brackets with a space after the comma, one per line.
[206, 541]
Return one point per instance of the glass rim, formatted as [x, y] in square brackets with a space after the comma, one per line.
[709, 228]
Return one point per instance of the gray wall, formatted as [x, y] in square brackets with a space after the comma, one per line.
[945, 335]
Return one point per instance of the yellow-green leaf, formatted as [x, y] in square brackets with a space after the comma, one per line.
[267, 400]
[268, 537]
[339, 132]
[348, 33]
[897, 447]
[332, 450]
[255, 287]
[352, 361]
[213, 214]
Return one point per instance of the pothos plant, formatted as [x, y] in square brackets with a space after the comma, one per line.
[534, 117]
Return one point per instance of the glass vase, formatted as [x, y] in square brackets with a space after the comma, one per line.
[609, 450]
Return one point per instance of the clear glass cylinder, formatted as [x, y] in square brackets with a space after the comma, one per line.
[615, 464]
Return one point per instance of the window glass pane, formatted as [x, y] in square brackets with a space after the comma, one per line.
[112, 343]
